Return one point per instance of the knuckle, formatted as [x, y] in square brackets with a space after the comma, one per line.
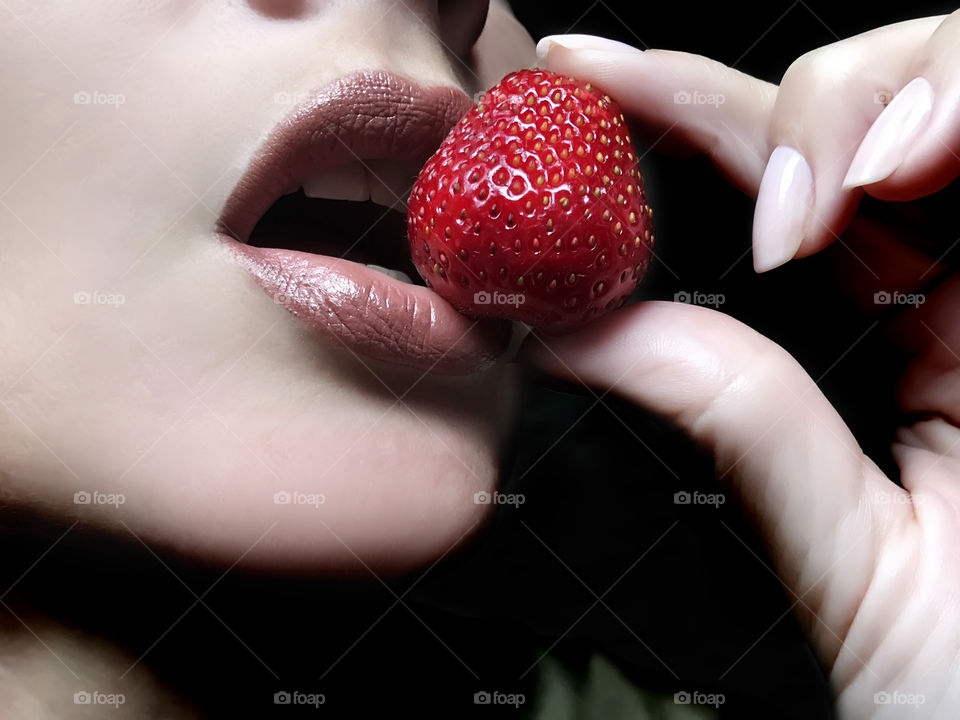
[823, 69]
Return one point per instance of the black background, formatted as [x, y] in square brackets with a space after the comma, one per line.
[700, 602]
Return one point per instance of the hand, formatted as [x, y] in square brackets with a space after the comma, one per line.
[871, 566]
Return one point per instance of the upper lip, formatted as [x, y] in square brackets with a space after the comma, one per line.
[389, 118]
[367, 116]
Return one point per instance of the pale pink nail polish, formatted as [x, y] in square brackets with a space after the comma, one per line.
[590, 43]
[888, 139]
[783, 203]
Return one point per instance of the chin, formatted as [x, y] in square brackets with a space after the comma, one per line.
[364, 482]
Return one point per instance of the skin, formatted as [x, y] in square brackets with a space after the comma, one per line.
[870, 566]
[176, 396]
[197, 397]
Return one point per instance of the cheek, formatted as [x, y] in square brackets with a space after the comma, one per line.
[354, 477]
[190, 398]
[90, 42]
[73, 130]
[200, 450]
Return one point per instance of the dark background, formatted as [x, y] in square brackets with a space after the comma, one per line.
[691, 607]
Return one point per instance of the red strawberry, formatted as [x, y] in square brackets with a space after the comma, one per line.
[533, 208]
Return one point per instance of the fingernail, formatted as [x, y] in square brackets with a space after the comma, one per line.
[888, 139]
[581, 42]
[784, 200]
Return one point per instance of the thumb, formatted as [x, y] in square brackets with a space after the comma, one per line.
[677, 101]
[788, 457]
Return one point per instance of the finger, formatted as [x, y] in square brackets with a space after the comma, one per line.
[827, 101]
[913, 147]
[503, 46]
[678, 100]
[785, 452]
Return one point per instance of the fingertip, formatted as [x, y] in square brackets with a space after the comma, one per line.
[679, 102]
[891, 136]
[932, 160]
[783, 205]
[580, 42]
[544, 46]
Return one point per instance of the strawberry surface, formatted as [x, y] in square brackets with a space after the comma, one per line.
[533, 208]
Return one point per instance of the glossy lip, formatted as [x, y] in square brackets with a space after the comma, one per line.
[367, 116]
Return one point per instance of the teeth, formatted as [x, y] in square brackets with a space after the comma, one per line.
[384, 182]
[346, 182]
[390, 183]
[395, 274]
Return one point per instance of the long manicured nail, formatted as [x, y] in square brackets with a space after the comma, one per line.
[888, 139]
[581, 42]
[784, 200]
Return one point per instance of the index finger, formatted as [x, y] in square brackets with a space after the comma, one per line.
[677, 100]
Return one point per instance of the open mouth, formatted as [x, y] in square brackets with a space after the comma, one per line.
[318, 219]
[361, 231]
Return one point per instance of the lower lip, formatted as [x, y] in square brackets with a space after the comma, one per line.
[372, 314]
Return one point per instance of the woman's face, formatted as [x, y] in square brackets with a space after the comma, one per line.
[146, 377]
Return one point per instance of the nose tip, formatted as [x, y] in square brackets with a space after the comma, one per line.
[283, 9]
[460, 23]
